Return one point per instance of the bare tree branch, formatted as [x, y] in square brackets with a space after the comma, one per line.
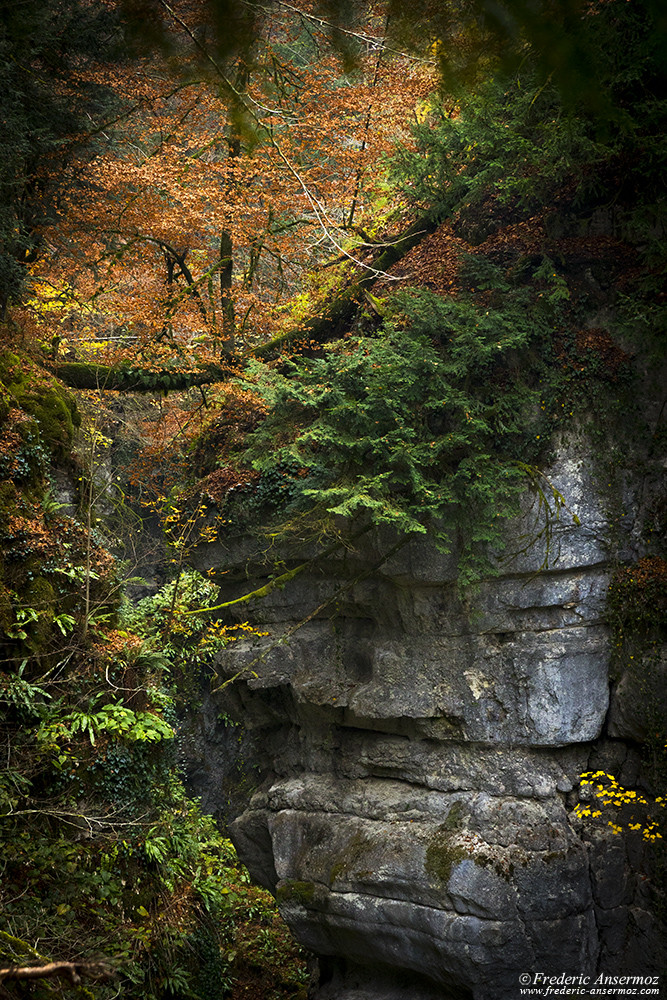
[70, 970]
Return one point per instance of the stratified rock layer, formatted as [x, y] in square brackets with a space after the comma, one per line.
[416, 758]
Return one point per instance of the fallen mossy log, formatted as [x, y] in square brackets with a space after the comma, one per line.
[332, 322]
[337, 315]
[22, 963]
[87, 375]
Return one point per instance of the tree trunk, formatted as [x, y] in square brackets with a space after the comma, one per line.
[337, 315]
[226, 301]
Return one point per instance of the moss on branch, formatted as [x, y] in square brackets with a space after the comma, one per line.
[336, 317]
[87, 375]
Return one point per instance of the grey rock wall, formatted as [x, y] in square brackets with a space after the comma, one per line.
[416, 759]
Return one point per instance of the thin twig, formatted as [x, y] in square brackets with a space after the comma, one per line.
[334, 597]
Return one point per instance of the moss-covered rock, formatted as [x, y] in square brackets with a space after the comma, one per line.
[27, 387]
[294, 891]
[442, 854]
[350, 856]
[443, 850]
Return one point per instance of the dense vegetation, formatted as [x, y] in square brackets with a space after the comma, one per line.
[437, 408]
[105, 860]
[533, 307]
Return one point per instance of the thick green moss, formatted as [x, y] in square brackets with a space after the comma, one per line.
[87, 375]
[454, 819]
[5, 402]
[56, 413]
[442, 852]
[31, 389]
[293, 891]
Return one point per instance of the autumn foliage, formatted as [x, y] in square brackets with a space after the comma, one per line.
[294, 282]
[221, 186]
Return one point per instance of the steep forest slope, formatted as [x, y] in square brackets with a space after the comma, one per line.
[400, 521]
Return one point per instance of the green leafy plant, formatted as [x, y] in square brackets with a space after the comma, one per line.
[117, 720]
[22, 694]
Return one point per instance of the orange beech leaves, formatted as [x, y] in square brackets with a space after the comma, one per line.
[599, 343]
[220, 186]
[433, 263]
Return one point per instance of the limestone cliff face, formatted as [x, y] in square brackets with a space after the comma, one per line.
[415, 760]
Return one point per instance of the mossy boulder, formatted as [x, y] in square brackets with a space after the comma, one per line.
[294, 891]
[29, 388]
